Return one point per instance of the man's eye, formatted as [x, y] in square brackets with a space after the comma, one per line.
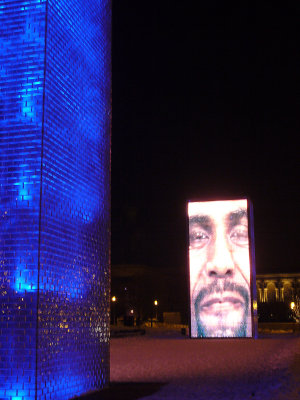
[239, 236]
[199, 239]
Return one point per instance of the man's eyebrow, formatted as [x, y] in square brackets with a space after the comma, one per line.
[203, 220]
[235, 217]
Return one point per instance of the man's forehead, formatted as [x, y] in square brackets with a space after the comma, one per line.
[216, 209]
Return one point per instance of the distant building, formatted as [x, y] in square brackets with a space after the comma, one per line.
[277, 287]
[137, 286]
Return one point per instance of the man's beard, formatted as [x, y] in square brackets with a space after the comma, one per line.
[219, 286]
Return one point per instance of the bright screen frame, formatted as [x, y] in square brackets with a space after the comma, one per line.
[221, 269]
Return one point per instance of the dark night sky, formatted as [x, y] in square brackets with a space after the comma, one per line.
[205, 105]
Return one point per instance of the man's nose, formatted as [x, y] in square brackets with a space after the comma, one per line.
[221, 264]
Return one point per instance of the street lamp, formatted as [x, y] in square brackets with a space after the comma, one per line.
[156, 306]
[292, 305]
[113, 309]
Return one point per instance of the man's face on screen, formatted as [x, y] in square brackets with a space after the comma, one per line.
[219, 268]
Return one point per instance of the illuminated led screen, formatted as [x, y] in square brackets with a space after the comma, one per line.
[55, 84]
[220, 269]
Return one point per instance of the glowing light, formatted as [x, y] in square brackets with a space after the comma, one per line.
[292, 305]
[155, 302]
[25, 280]
[254, 305]
[220, 268]
[114, 299]
[54, 230]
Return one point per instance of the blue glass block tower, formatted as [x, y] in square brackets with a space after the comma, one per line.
[55, 100]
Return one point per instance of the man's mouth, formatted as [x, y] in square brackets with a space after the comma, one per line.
[225, 302]
[221, 309]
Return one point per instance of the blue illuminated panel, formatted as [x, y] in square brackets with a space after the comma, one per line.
[55, 165]
[22, 53]
[74, 293]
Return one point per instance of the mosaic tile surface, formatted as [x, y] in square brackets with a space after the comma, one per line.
[55, 172]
